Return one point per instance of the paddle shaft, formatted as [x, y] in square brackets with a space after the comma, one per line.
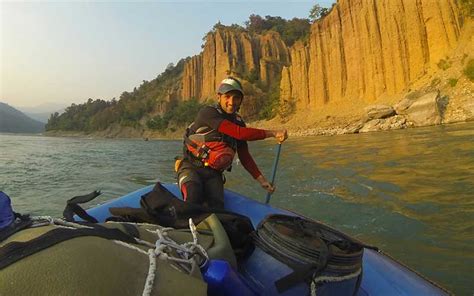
[274, 170]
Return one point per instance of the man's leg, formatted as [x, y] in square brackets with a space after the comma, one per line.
[190, 183]
[214, 191]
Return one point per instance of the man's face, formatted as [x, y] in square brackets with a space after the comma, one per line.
[230, 101]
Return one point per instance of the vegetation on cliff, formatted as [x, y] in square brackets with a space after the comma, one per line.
[96, 115]
[182, 114]
[289, 30]
[331, 65]
[150, 105]
[469, 70]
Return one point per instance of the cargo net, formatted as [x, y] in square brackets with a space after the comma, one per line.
[188, 256]
[315, 252]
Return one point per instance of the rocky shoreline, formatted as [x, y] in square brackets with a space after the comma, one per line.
[414, 110]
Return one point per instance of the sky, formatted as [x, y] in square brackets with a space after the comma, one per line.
[66, 52]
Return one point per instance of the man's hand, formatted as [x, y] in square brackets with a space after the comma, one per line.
[265, 184]
[280, 135]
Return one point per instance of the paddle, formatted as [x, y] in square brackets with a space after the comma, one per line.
[275, 164]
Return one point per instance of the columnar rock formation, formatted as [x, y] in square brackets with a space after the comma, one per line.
[360, 53]
[365, 49]
[231, 52]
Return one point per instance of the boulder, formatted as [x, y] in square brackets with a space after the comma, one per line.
[371, 126]
[423, 111]
[394, 122]
[353, 128]
[403, 105]
[379, 111]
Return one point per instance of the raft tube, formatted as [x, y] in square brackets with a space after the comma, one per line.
[381, 274]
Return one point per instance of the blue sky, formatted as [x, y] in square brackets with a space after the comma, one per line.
[65, 52]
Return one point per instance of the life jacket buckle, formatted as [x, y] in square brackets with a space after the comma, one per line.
[203, 152]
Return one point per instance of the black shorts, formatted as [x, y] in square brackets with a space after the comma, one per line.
[201, 185]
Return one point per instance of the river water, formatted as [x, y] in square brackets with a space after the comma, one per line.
[409, 192]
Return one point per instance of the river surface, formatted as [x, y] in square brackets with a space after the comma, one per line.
[409, 192]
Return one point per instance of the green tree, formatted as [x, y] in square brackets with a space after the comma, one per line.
[469, 70]
[317, 12]
[289, 30]
[270, 102]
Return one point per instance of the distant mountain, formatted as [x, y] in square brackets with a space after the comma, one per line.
[43, 111]
[14, 121]
[42, 117]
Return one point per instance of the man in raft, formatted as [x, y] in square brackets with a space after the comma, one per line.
[210, 144]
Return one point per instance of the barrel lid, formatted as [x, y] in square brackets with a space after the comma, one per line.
[309, 242]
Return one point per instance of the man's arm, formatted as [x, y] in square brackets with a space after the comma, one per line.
[249, 134]
[250, 165]
[247, 160]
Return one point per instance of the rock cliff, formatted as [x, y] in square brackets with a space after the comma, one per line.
[363, 59]
[227, 52]
[363, 52]
[362, 55]
[365, 49]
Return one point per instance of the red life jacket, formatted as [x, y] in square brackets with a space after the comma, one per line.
[209, 146]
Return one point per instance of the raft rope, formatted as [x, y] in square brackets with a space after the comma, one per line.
[328, 279]
[48, 220]
[185, 251]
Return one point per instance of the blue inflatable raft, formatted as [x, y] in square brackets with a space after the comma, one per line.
[381, 274]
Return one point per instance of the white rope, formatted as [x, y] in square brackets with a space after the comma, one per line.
[131, 247]
[162, 248]
[192, 227]
[150, 278]
[164, 243]
[327, 279]
[144, 243]
[48, 220]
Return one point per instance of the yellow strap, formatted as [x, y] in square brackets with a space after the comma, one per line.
[177, 164]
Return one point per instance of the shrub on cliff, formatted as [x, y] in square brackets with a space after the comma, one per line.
[181, 115]
[444, 64]
[270, 103]
[467, 7]
[469, 70]
[157, 123]
[289, 30]
[318, 12]
[287, 108]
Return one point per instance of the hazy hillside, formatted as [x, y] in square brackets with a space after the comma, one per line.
[13, 121]
[42, 112]
[41, 117]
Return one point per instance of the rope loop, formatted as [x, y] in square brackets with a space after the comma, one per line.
[164, 248]
[325, 279]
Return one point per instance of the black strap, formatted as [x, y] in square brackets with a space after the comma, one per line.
[80, 199]
[188, 141]
[300, 274]
[21, 222]
[14, 251]
[131, 230]
[72, 207]
[193, 159]
[202, 151]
